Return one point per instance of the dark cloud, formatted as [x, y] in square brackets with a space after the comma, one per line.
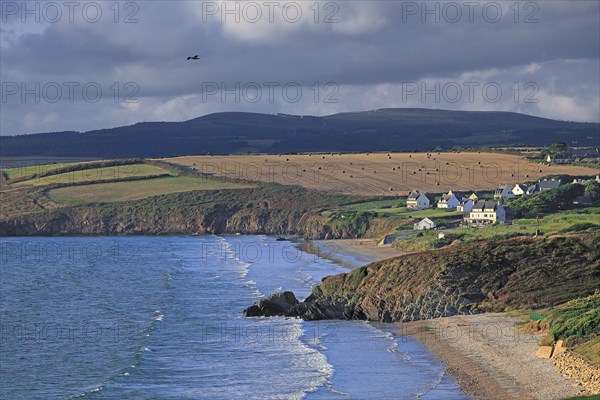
[372, 50]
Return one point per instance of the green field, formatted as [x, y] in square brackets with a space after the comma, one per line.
[135, 190]
[404, 212]
[25, 171]
[96, 174]
[548, 224]
[392, 210]
[377, 204]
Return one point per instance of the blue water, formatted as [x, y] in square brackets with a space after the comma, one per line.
[159, 318]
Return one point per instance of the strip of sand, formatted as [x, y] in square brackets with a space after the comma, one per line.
[490, 359]
[352, 253]
[484, 353]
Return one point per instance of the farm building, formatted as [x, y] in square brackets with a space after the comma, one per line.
[424, 224]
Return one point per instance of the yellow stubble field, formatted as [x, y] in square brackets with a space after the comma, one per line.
[381, 173]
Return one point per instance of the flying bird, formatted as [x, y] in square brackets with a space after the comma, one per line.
[196, 57]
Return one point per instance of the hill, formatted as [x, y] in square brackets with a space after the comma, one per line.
[237, 132]
[489, 275]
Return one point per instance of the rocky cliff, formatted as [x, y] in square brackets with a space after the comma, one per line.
[484, 276]
[266, 209]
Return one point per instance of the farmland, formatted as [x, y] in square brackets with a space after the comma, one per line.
[95, 174]
[381, 174]
[30, 170]
[135, 190]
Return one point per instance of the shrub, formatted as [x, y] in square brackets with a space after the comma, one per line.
[447, 240]
[579, 317]
[582, 226]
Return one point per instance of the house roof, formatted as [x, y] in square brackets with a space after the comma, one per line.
[576, 153]
[521, 186]
[426, 221]
[482, 205]
[585, 152]
[548, 184]
[583, 200]
[413, 195]
[448, 196]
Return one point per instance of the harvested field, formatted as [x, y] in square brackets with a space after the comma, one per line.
[381, 173]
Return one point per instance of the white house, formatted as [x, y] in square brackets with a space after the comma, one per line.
[424, 224]
[417, 201]
[486, 212]
[465, 205]
[519, 189]
[504, 192]
[448, 200]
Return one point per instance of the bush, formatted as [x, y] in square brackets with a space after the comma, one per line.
[592, 190]
[356, 221]
[579, 317]
[501, 236]
[548, 201]
[582, 226]
[447, 240]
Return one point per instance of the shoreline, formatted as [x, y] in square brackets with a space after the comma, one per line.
[350, 253]
[491, 360]
[484, 354]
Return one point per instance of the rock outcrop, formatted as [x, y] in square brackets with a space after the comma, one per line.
[279, 304]
[484, 276]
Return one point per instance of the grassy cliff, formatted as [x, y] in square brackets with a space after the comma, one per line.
[484, 276]
[265, 209]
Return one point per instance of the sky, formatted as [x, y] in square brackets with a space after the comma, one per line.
[90, 65]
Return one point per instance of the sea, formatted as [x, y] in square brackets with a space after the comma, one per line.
[160, 318]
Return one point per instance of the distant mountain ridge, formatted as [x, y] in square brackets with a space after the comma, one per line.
[239, 132]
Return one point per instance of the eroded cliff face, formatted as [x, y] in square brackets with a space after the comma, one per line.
[271, 210]
[484, 276]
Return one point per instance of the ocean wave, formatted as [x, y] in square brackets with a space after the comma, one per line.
[432, 385]
[158, 316]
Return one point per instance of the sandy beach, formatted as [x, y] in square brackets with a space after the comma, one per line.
[352, 253]
[484, 353]
[491, 360]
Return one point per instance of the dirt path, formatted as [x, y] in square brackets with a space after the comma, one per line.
[490, 360]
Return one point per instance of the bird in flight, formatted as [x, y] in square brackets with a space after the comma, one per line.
[196, 57]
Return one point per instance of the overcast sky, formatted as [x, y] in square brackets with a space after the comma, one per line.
[306, 57]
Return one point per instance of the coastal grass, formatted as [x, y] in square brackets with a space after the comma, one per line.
[136, 190]
[592, 397]
[563, 222]
[590, 351]
[371, 205]
[390, 209]
[579, 317]
[96, 174]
